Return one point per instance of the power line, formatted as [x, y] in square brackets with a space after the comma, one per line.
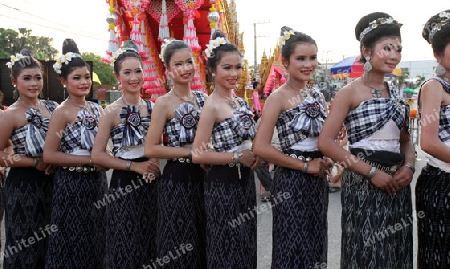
[46, 20]
[50, 27]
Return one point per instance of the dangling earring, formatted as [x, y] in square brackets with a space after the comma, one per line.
[367, 65]
[440, 70]
[212, 87]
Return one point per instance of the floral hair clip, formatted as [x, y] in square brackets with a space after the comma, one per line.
[444, 18]
[285, 37]
[119, 51]
[14, 59]
[213, 44]
[375, 23]
[163, 47]
[64, 59]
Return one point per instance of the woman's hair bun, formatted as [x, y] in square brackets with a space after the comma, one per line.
[70, 46]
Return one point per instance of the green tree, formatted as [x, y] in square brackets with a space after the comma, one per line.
[420, 80]
[102, 69]
[404, 77]
[11, 42]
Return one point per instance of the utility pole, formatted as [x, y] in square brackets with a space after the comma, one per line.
[255, 64]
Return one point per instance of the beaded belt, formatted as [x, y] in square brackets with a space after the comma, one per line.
[304, 155]
[384, 160]
[181, 160]
[80, 169]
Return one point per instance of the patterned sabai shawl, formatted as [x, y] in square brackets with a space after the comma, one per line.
[132, 129]
[231, 132]
[81, 133]
[302, 121]
[29, 139]
[372, 114]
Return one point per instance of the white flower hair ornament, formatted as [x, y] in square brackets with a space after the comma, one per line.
[14, 59]
[164, 46]
[117, 53]
[64, 59]
[213, 44]
[285, 37]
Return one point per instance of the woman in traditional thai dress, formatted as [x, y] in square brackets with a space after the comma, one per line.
[297, 111]
[433, 183]
[78, 185]
[181, 211]
[29, 181]
[379, 166]
[224, 141]
[131, 199]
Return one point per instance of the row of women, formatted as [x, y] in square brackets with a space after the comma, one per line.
[199, 211]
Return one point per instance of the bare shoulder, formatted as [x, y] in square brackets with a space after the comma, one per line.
[431, 85]
[210, 102]
[276, 96]
[112, 110]
[13, 117]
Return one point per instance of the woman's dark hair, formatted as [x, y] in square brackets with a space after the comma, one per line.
[382, 30]
[26, 62]
[218, 52]
[76, 62]
[131, 50]
[290, 44]
[26, 52]
[171, 48]
[440, 38]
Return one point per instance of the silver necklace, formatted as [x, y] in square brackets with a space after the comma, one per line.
[182, 98]
[303, 92]
[126, 103]
[231, 101]
[77, 105]
[375, 91]
[27, 106]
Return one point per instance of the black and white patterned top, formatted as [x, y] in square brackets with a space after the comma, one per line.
[372, 114]
[181, 129]
[302, 121]
[80, 134]
[29, 139]
[132, 130]
[231, 132]
[444, 114]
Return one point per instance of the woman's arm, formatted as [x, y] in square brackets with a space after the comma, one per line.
[52, 153]
[98, 154]
[8, 159]
[327, 145]
[153, 146]
[262, 145]
[431, 97]
[200, 152]
[404, 174]
[102, 158]
[342, 104]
